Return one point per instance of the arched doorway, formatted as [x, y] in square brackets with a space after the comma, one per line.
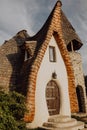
[80, 97]
[53, 98]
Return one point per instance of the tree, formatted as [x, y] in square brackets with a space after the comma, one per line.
[12, 109]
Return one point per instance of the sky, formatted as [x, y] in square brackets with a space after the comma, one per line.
[16, 15]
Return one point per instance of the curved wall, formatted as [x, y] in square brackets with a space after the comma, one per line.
[44, 76]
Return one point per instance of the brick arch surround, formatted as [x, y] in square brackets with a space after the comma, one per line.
[33, 77]
[70, 74]
[55, 26]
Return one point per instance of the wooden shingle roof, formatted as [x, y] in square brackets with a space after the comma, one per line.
[69, 33]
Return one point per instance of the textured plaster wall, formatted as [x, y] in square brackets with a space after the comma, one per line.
[44, 76]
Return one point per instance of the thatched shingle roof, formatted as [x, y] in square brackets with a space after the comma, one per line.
[69, 33]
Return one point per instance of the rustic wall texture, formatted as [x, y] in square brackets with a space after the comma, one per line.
[11, 61]
[79, 77]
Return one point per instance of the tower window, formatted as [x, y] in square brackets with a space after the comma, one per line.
[52, 54]
[26, 55]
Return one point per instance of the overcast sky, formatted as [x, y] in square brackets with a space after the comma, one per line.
[16, 15]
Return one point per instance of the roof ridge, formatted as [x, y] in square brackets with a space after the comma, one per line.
[59, 2]
[57, 22]
[49, 21]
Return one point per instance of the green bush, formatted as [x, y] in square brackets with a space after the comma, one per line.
[12, 109]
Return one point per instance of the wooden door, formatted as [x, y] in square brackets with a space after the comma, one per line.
[53, 98]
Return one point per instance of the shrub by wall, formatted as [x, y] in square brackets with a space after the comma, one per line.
[12, 109]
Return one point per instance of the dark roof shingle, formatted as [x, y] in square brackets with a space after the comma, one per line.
[69, 33]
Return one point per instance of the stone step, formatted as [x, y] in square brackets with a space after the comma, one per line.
[86, 125]
[79, 115]
[78, 126]
[59, 118]
[61, 124]
[45, 128]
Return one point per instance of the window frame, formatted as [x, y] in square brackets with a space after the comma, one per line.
[26, 55]
[52, 54]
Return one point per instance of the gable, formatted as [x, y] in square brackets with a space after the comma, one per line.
[49, 67]
[44, 75]
[53, 24]
[57, 22]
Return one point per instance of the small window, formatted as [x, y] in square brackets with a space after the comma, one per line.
[26, 55]
[52, 54]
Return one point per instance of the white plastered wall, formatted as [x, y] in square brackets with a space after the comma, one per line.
[44, 76]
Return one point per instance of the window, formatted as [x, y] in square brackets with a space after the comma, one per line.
[26, 55]
[52, 54]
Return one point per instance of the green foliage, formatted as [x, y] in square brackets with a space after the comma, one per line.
[12, 109]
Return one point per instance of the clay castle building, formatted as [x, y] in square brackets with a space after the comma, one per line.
[46, 68]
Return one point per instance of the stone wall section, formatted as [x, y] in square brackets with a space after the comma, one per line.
[11, 61]
[9, 66]
[78, 71]
[77, 66]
